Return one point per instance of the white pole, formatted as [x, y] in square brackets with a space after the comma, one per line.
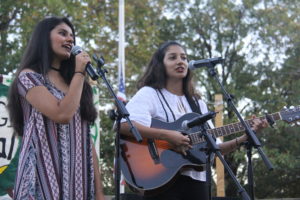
[121, 52]
[121, 68]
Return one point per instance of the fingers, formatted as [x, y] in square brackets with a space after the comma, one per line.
[178, 138]
[85, 56]
[258, 123]
[82, 59]
[186, 140]
[182, 149]
[185, 145]
[181, 143]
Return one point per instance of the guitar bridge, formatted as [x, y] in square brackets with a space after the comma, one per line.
[153, 151]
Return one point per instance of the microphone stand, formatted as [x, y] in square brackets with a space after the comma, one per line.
[212, 147]
[121, 113]
[250, 170]
[252, 139]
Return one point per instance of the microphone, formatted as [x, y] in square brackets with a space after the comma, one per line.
[88, 68]
[193, 64]
[186, 124]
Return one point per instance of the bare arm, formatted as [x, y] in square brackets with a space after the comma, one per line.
[60, 111]
[232, 145]
[229, 146]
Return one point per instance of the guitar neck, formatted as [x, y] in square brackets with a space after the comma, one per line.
[230, 128]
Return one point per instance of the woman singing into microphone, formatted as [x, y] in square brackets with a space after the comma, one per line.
[51, 107]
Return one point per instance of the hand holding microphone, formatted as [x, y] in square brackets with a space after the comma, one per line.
[85, 61]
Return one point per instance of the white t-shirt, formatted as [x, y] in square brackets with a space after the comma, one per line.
[146, 104]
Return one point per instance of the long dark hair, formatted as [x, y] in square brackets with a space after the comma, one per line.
[38, 57]
[155, 75]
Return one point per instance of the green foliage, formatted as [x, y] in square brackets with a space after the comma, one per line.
[107, 153]
[282, 147]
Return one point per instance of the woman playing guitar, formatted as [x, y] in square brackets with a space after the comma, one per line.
[166, 93]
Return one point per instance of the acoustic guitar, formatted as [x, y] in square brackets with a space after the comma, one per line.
[146, 172]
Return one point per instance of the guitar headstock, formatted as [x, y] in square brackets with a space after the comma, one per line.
[291, 114]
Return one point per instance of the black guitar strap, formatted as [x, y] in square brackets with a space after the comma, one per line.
[173, 115]
[194, 104]
[162, 106]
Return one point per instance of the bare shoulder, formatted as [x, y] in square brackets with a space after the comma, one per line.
[27, 70]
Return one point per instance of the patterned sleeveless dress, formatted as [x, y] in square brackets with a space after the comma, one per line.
[55, 160]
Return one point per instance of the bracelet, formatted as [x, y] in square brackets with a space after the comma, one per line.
[80, 73]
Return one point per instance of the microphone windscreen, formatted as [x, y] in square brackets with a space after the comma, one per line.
[191, 65]
[76, 50]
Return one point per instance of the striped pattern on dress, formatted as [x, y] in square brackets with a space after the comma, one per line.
[55, 160]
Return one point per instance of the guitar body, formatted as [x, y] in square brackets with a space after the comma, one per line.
[144, 173]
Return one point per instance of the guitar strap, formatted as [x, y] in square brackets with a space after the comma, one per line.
[151, 144]
[173, 115]
[162, 106]
[194, 104]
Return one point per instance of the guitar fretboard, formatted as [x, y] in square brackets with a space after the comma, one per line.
[228, 129]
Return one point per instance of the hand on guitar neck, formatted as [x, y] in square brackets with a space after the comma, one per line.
[256, 124]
